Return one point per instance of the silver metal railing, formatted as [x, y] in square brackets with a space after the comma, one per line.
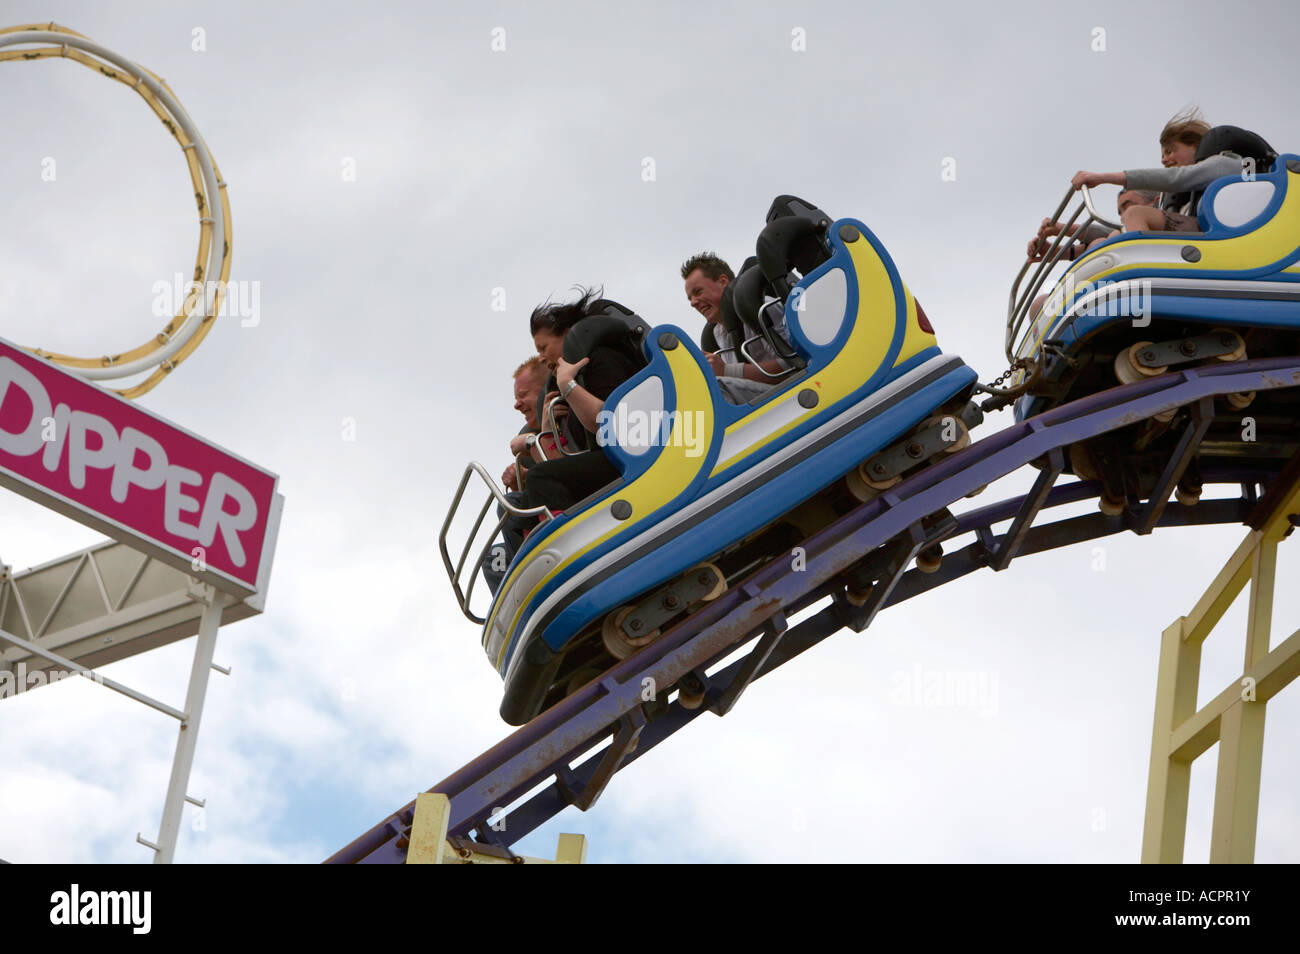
[456, 573]
[775, 343]
[1022, 327]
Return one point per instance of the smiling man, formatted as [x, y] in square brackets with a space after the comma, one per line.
[707, 277]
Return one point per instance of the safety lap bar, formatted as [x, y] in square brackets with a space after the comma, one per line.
[462, 597]
[1020, 301]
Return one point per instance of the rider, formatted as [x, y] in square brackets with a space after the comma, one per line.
[562, 481]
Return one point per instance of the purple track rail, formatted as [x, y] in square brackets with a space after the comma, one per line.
[758, 607]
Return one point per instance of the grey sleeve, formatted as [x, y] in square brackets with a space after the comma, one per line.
[1185, 178]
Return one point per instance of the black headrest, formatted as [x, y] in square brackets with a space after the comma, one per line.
[1241, 141]
[599, 331]
[708, 341]
[747, 295]
[729, 318]
[793, 238]
[786, 206]
[611, 309]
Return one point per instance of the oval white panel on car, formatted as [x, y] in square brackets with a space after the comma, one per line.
[638, 418]
[1238, 203]
[820, 308]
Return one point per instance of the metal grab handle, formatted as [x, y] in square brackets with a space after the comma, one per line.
[744, 349]
[1020, 301]
[1092, 210]
[454, 573]
[535, 443]
[783, 350]
[555, 428]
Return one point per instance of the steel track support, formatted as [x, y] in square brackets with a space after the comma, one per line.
[904, 552]
[1009, 545]
[774, 631]
[625, 739]
[1188, 442]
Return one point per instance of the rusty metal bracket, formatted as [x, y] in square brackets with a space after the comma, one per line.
[1184, 451]
[628, 729]
[773, 631]
[1001, 555]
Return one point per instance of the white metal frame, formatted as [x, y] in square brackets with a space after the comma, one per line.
[109, 602]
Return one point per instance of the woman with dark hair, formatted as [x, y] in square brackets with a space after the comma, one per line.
[585, 384]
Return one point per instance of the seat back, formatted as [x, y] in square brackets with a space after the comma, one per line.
[1241, 142]
[1239, 204]
[793, 238]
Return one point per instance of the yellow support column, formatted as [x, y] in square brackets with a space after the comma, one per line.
[429, 844]
[428, 829]
[571, 850]
[1235, 717]
[1241, 729]
[1170, 778]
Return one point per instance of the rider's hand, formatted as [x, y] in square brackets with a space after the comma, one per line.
[1094, 179]
[715, 363]
[509, 478]
[565, 372]
[560, 409]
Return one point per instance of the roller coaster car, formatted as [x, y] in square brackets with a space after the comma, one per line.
[710, 490]
[1145, 302]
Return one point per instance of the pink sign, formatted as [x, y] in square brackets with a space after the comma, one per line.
[108, 463]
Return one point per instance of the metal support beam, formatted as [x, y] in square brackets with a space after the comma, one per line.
[773, 632]
[902, 553]
[1188, 442]
[100, 604]
[625, 738]
[1015, 536]
[189, 731]
[70, 666]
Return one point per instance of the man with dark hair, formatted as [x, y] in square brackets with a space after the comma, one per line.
[706, 277]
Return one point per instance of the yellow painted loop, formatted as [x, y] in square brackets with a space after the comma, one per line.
[202, 201]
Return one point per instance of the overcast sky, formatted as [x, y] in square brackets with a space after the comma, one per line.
[522, 169]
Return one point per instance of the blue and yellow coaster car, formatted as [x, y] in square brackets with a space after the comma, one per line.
[1142, 302]
[701, 475]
